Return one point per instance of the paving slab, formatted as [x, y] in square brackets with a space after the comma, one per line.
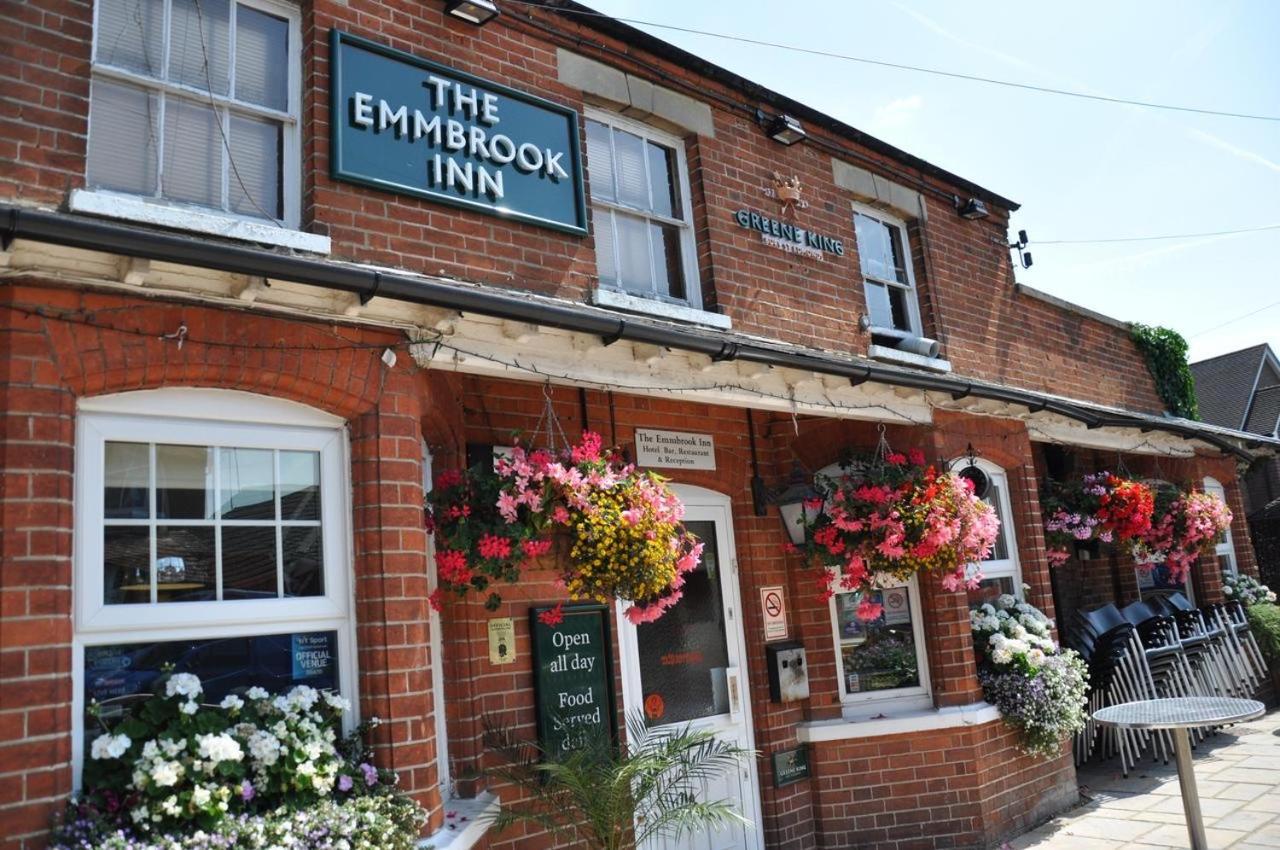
[1238, 775]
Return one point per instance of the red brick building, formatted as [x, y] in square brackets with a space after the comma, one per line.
[230, 354]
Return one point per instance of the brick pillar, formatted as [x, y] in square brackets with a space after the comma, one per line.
[36, 461]
[392, 610]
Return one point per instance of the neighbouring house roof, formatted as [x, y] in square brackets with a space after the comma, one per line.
[1267, 513]
[1226, 387]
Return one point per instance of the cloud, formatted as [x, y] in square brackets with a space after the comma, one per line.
[1234, 150]
[895, 114]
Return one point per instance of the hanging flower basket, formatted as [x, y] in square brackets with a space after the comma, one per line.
[1099, 508]
[891, 516]
[623, 526]
[1184, 527]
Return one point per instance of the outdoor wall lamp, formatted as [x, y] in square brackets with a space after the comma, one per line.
[478, 12]
[1023, 255]
[796, 504]
[971, 209]
[782, 128]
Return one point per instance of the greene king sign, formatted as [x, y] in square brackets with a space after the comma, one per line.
[407, 125]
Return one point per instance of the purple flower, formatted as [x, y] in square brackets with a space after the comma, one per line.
[246, 791]
[344, 783]
[370, 774]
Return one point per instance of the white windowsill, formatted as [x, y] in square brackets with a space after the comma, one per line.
[146, 211]
[819, 731]
[620, 300]
[465, 823]
[883, 352]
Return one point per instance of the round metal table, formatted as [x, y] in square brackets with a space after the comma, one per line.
[1178, 715]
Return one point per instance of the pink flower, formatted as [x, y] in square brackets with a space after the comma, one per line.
[436, 599]
[588, 449]
[452, 565]
[508, 506]
[560, 515]
[535, 548]
[552, 616]
[916, 457]
[868, 610]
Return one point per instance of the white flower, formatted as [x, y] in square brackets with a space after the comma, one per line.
[231, 702]
[307, 768]
[257, 693]
[219, 748]
[190, 707]
[200, 796]
[166, 773]
[1228, 590]
[264, 747]
[139, 814]
[336, 702]
[1002, 656]
[108, 746]
[185, 684]
[1035, 657]
[172, 748]
[170, 805]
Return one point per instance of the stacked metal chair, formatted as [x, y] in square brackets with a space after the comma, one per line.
[1160, 648]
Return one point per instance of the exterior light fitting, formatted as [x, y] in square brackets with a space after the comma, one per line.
[782, 128]
[794, 504]
[971, 209]
[1023, 255]
[478, 12]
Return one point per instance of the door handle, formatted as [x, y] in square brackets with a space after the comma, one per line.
[733, 684]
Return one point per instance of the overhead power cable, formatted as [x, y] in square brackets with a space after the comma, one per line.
[1153, 238]
[938, 72]
[1239, 318]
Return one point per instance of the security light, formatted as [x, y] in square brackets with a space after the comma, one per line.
[795, 504]
[478, 12]
[971, 209]
[785, 129]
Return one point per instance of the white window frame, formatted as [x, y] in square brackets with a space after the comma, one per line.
[235, 419]
[159, 210]
[866, 704]
[1010, 567]
[435, 632]
[609, 294]
[1226, 548]
[913, 294]
[870, 703]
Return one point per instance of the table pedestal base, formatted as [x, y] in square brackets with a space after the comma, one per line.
[1187, 781]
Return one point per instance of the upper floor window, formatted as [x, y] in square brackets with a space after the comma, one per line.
[196, 102]
[888, 280]
[641, 211]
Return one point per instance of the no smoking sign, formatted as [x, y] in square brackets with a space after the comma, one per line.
[774, 608]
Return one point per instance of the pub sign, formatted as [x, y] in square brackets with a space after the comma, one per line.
[404, 124]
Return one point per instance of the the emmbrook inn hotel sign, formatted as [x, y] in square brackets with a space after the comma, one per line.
[404, 124]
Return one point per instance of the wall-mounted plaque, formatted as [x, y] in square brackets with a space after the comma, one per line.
[675, 449]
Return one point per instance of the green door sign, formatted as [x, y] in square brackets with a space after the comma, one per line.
[573, 679]
[407, 125]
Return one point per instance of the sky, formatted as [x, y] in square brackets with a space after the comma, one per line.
[1080, 169]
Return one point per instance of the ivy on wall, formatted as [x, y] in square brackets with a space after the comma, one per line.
[1166, 353]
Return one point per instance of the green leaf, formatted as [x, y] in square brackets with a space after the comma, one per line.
[1165, 351]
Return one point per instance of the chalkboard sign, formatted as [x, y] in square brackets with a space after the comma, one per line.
[573, 678]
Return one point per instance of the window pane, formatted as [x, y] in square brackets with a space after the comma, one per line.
[253, 183]
[199, 44]
[663, 181]
[634, 272]
[881, 654]
[113, 674]
[300, 485]
[684, 655]
[879, 249]
[878, 305]
[192, 153]
[606, 262]
[131, 34]
[122, 138]
[989, 589]
[262, 58]
[248, 484]
[665, 240]
[184, 482]
[1227, 565]
[184, 563]
[249, 562]
[1000, 550]
[901, 312]
[126, 559]
[127, 481]
[599, 161]
[303, 561]
[633, 184]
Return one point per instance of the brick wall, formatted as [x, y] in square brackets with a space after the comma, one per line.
[48, 364]
[963, 268]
